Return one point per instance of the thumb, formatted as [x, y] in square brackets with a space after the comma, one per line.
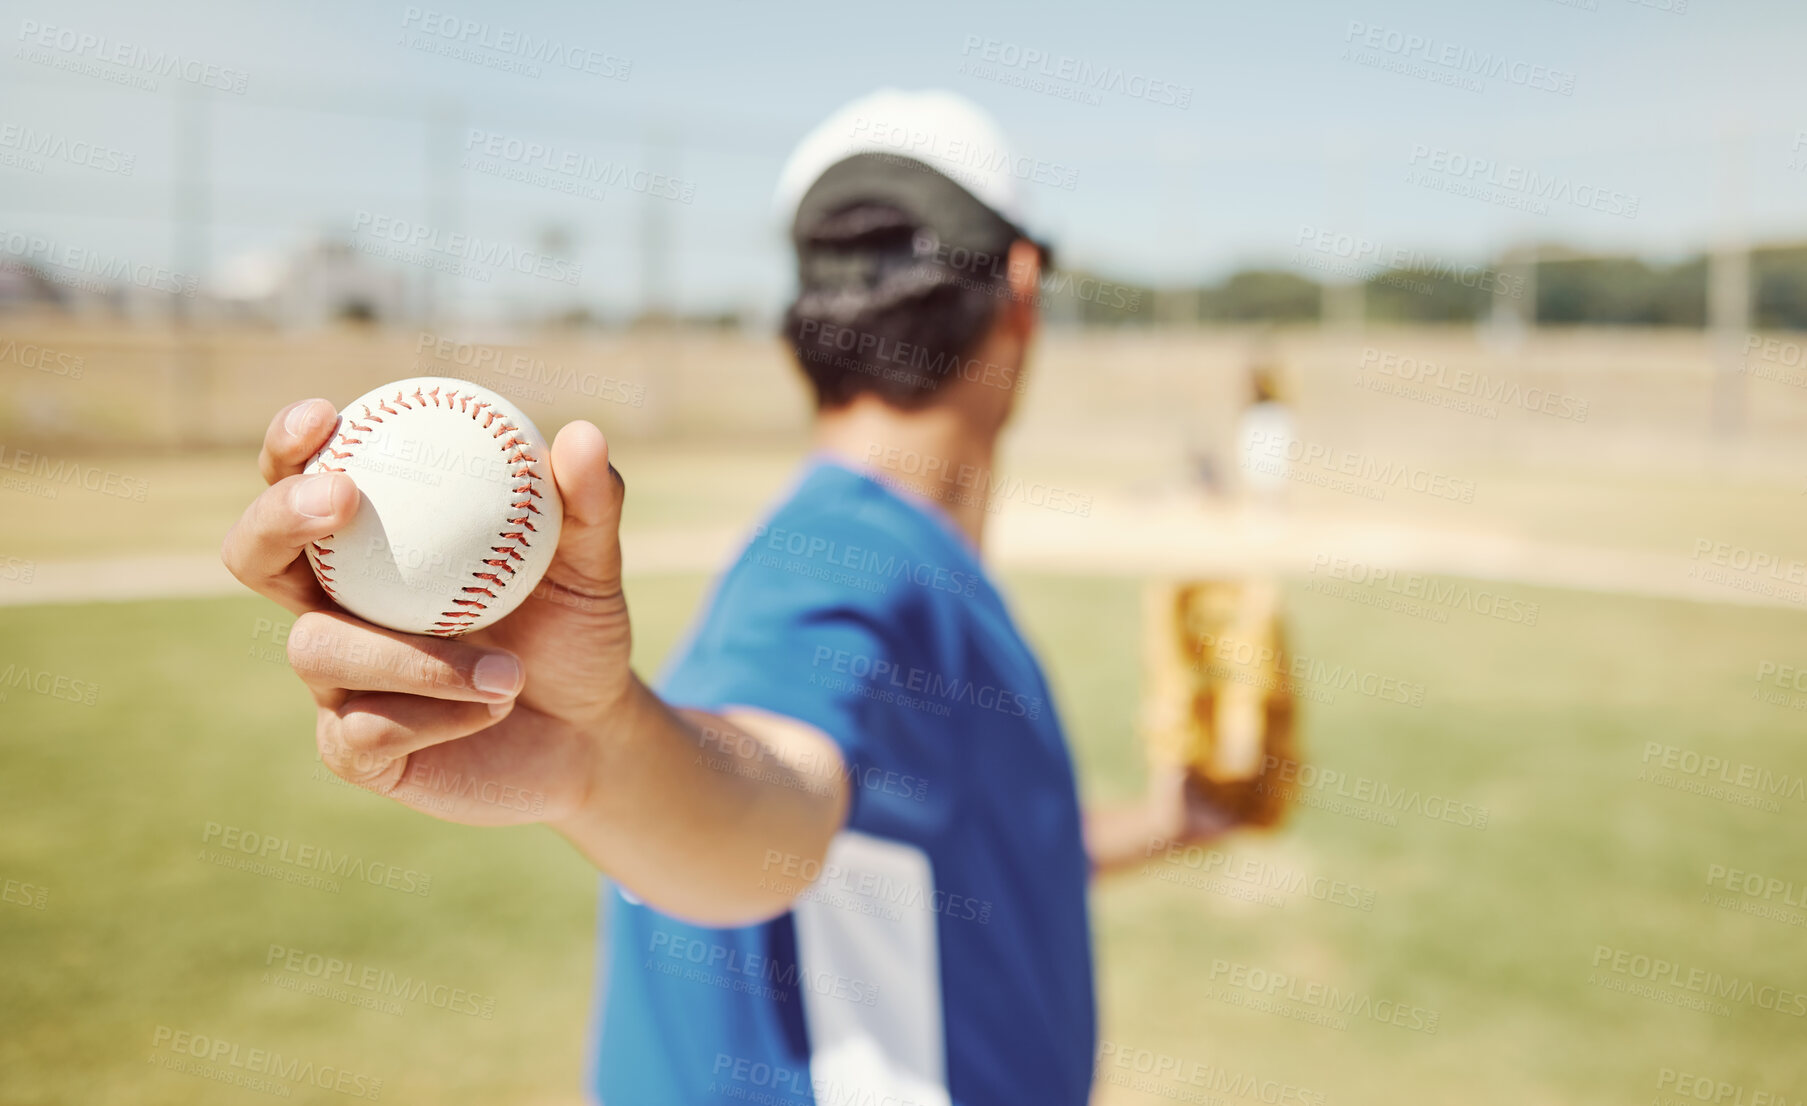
[588, 559]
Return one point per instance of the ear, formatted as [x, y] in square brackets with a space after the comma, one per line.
[1024, 271]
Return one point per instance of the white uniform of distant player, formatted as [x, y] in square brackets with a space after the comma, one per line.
[1264, 437]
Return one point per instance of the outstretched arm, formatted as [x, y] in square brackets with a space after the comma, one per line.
[539, 718]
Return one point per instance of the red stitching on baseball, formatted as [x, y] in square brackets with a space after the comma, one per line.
[478, 410]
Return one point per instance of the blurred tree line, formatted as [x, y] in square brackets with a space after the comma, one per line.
[1569, 290]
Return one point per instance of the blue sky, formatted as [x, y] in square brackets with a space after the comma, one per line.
[1695, 113]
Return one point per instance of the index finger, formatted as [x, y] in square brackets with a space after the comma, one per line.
[295, 434]
[264, 549]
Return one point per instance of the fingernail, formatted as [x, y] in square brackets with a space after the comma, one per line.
[498, 709]
[497, 674]
[313, 497]
[301, 419]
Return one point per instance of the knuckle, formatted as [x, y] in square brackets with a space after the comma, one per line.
[238, 548]
[313, 644]
[229, 554]
[354, 752]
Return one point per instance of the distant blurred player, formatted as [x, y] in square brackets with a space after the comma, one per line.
[1217, 704]
[1264, 437]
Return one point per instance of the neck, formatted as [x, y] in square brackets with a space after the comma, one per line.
[937, 453]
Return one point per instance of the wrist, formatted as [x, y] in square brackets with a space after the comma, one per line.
[605, 761]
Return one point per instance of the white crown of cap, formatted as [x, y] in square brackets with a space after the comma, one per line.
[941, 129]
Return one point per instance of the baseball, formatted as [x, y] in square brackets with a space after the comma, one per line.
[458, 515]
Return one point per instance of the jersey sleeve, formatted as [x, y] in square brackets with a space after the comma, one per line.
[824, 652]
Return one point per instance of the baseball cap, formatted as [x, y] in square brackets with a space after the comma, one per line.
[933, 154]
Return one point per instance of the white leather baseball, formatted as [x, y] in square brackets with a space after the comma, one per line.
[458, 516]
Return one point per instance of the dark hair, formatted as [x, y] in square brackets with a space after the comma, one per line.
[879, 311]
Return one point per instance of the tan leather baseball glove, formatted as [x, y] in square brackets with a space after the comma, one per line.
[1216, 697]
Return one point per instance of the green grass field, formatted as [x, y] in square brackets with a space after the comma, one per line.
[114, 929]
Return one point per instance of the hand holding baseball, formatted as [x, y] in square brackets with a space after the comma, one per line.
[496, 727]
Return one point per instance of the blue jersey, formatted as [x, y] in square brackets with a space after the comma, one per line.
[941, 953]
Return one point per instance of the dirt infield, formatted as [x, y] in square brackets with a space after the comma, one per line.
[1586, 459]
[1378, 564]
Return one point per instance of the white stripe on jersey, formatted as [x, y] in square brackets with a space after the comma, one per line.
[869, 931]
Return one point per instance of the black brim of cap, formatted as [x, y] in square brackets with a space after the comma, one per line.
[936, 202]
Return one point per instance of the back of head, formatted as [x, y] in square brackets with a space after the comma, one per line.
[871, 315]
[902, 213]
